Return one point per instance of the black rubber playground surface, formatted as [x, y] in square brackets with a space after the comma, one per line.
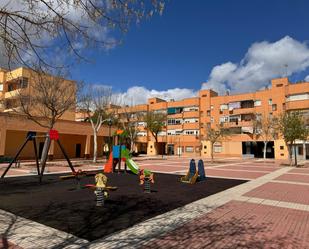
[58, 204]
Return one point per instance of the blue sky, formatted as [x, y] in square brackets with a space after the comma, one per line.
[181, 48]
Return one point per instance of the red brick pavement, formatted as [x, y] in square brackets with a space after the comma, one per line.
[253, 168]
[241, 225]
[300, 171]
[235, 174]
[294, 178]
[282, 192]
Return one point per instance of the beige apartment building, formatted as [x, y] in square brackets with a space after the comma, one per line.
[76, 137]
[188, 119]
[186, 124]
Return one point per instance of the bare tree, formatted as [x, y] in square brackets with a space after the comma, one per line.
[265, 128]
[155, 123]
[95, 102]
[215, 135]
[129, 122]
[33, 30]
[43, 99]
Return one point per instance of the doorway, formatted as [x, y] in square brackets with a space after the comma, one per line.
[170, 149]
[78, 149]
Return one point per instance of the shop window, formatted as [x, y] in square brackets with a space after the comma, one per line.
[189, 148]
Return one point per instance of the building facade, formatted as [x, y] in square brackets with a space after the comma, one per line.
[188, 120]
[76, 137]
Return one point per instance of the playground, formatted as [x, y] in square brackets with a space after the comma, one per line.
[60, 205]
[158, 203]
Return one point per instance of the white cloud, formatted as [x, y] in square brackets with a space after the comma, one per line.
[49, 40]
[307, 78]
[262, 62]
[139, 95]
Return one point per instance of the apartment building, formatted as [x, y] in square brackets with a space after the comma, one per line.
[76, 137]
[188, 119]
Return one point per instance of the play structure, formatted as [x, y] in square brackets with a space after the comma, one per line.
[101, 189]
[51, 135]
[120, 153]
[194, 175]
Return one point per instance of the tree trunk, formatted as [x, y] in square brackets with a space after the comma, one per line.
[295, 156]
[212, 152]
[95, 146]
[44, 155]
[291, 153]
[265, 147]
[132, 146]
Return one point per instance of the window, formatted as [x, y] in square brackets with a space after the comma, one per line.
[171, 132]
[211, 119]
[270, 101]
[279, 85]
[204, 95]
[178, 132]
[191, 132]
[257, 103]
[162, 133]
[174, 121]
[142, 133]
[217, 147]
[224, 107]
[189, 148]
[281, 147]
[224, 119]
[235, 118]
[141, 124]
[191, 109]
[174, 110]
[296, 97]
[211, 107]
[23, 82]
[1, 87]
[10, 87]
[208, 113]
[191, 120]
[274, 107]
[205, 147]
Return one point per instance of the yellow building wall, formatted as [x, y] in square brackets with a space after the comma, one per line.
[280, 153]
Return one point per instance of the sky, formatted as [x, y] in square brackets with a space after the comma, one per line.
[235, 45]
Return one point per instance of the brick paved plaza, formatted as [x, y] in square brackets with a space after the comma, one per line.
[271, 210]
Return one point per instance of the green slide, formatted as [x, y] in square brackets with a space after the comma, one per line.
[130, 163]
[132, 166]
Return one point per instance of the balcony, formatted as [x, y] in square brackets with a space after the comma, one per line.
[238, 124]
[191, 126]
[176, 115]
[297, 105]
[174, 127]
[193, 114]
[243, 110]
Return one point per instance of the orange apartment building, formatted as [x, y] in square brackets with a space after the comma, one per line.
[76, 137]
[188, 119]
